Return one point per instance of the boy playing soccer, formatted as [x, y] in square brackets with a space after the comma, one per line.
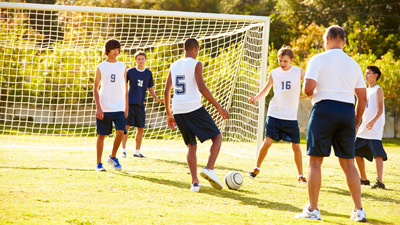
[111, 102]
[140, 79]
[368, 143]
[282, 111]
[186, 78]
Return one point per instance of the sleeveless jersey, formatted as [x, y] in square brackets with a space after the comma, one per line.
[370, 111]
[286, 87]
[187, 96]
[113, 86]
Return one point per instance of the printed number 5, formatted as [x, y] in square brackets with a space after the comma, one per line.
[112, 77]
[180, 85]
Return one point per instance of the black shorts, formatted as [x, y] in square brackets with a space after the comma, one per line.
[369, 149]
[196, 124]
[104, 127]
[136, 116]
[278, 129]
[332, 123]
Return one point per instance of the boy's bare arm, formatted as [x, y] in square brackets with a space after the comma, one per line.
[198, 73]
[309, 86]
[379, 96]
[97, 79]
[361, 95]
[264, 91]
[151, 90]
[167, 97]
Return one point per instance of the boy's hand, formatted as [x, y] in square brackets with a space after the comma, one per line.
[252, 99]
[171, 122]
[223, 112]
[99, 114]
[370, 125]
[160, 100]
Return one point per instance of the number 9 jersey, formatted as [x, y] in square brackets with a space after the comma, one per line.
[286, 86]
[187, 97]
[113, 86]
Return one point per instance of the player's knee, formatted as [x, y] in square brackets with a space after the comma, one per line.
[268, 141]
[101, 137]
[217, 139]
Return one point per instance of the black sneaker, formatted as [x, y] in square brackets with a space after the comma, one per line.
[138, 155]
[365, 182]
[378, 185]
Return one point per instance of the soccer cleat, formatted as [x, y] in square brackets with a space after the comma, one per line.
[100, 168]
[253, 173]
[378, 185]
[211, 177]
[123, 155]
[195, 187]
[302, 180]
[359, 215]
[138, 155]
[364, 182]
[114, 162]
[307, 214]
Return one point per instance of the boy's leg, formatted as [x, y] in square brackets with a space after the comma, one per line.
[139, 137]
[117, 142]
[100, 146]
[192, 162]
[353, 181]
[361, 167]
[264, 150]
[125, 138]
[214, 151]
[314, 180]
[298, 157]
[379, 167]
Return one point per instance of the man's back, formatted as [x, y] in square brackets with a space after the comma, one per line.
[336, 74]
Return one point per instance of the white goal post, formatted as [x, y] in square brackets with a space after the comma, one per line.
[49, 53]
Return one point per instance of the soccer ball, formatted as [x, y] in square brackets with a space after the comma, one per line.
[233, 180]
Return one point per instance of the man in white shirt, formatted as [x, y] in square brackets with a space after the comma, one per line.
[332, 78]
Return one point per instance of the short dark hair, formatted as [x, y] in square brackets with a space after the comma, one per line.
[140, 52]
[286, 50]
[375, 70]
[190, 44]
[334, 32]
[110, 45]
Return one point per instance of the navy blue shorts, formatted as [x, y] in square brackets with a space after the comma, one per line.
[136, 116]
[369, 149]
[332, 123]
[104, 127]
[197, 123]
[278, 129]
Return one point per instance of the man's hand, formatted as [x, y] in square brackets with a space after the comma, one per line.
[371, 124]
[223, 112]
[99, 114]
[252, 99]
[160, 100]
[126, 112]
[171, 122]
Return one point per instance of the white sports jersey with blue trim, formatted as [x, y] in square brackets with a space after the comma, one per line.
[370, 111]
[286, 86]
[187, 96]
[113, 86]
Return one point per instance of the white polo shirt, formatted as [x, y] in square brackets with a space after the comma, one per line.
[336, 74]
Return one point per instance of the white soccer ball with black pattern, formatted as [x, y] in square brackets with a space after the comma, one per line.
[234, 180]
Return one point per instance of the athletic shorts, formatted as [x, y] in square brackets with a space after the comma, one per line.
[136, 116]
[286, 130]
[332, 123]
[369, 149]
[104, 127]
[196, 124]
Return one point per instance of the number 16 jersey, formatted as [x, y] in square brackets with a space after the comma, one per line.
[286, 86]
[187, 97]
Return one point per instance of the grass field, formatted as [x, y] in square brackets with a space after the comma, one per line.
[52, 186]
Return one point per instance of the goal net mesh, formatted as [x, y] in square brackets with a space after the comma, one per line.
[48, 60]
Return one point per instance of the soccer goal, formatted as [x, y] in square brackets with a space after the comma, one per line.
[49, 54]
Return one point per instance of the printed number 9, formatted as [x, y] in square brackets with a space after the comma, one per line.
[112, 77]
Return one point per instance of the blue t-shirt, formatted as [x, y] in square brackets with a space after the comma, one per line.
[139, 81]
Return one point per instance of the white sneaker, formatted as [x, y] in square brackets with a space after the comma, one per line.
[307, 214]
[359, 215]
[211, 177]
[195, 187]
[123, 155]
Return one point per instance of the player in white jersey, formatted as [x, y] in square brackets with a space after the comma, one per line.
[282, 122]
[186, 78]
[368, 143]
[111, 102]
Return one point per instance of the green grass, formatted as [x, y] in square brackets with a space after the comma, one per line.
[52, 186]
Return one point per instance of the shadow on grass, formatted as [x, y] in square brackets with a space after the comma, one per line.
[363, 195]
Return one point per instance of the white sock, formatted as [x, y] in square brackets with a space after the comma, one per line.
[137, 152]
[124, 150]
[300, 176]
[258, 168]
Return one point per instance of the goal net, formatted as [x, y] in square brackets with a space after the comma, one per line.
[49, 54]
